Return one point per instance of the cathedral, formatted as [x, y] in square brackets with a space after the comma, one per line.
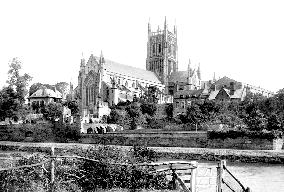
[103, 83]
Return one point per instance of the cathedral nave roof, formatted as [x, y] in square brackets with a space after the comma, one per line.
[130, 71]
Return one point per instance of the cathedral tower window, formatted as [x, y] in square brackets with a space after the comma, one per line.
[160, 48]
[153, 49]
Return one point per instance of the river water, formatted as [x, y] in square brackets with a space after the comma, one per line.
[257, 176]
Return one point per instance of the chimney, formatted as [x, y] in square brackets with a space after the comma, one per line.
[232, 88]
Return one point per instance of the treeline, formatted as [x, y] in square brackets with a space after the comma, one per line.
[255, 113]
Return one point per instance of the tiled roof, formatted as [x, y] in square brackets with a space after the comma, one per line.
[238, 94]
[130, 71]
[45, 92]
[213, 95]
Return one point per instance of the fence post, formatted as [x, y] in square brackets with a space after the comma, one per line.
[248, 190]
[193, 177]
[52, 167]
[220, 169]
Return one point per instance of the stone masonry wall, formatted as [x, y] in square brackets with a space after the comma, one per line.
[181, 139]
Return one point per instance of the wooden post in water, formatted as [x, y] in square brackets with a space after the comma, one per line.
[220, 169]
[193, 177]
[52, 167]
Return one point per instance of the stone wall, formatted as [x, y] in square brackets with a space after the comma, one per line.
[181, 139]
[165, 139]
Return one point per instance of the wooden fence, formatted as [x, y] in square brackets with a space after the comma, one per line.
[182, 173]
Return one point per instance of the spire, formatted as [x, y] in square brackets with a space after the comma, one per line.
[175, 30]
[149, 26]
[214, 77]
[189, 67]
[198, 71]
[102, 59]
[165, 25]
[189, 70]
[82, 60]
[189, 75]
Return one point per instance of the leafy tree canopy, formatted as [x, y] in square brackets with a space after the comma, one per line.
[18, 82]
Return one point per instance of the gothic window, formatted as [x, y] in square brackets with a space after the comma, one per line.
[160, 48]
[153, 49]
[86, 96]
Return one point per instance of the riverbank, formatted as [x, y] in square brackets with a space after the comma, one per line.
[234, 155]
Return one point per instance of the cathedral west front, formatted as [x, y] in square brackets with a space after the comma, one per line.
[103, 83]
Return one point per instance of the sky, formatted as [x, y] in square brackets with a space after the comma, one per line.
[243, 39]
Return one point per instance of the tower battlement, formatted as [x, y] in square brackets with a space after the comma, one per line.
[162, 52]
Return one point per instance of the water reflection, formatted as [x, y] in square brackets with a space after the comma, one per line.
[259, 177]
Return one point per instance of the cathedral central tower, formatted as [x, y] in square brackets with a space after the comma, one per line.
[162, 52]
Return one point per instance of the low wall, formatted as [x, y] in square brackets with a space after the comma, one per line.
[165, 139]
[181, 139]
[246, 143]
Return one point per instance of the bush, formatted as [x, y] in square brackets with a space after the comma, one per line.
[115, 169]
[39, 132]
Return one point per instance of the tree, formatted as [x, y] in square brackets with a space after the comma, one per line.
[148, 108]
[149, 101]
[274, 122]
[63, 88]
[34, 87]
[9, 103]
[169, 109]
[119, 117]
[136, 116]
[194, 115]
[52, 111]
[18, 82]
[73, 106]
[256, 120]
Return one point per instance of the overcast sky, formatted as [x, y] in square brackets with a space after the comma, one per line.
[241, 39]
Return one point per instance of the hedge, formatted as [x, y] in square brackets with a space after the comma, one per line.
[250, 134]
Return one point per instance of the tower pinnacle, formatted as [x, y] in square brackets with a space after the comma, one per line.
[102, 59]
[198, 71]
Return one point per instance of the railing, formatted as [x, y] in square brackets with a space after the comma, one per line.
[226, 181]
